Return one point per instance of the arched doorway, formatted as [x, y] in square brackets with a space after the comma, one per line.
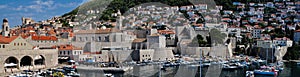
[39, 60]
[11, 62]
[26, 61]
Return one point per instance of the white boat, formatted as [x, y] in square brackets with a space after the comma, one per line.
[249, 73]
[109, 75]
[265, 70]
[229, 67]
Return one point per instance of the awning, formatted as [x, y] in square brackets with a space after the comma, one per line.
[38, 57]
[10, 64]
[71, 61]
[63, 57]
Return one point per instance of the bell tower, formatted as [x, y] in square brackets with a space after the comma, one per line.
[5, 27]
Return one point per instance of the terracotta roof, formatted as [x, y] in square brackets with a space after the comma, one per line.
[139, 40]
[68, 47]
[71, 34]
[91, 52]
[166, 31]
[24, 36]
[257, 27]
[7, 40]
[226, 19]
[53, 38]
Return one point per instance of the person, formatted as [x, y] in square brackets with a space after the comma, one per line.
[5, 70]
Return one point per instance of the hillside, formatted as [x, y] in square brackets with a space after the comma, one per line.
[124, 5]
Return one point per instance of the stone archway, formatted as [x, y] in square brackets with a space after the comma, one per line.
[11, 62]
[26, 61]
[39, 60]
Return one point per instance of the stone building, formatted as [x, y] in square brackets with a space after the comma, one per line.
[105, 38]
[69, 52]
[17, 54]
[26, 21]
[156, 41]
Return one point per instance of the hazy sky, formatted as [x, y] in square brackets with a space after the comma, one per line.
[36, 9]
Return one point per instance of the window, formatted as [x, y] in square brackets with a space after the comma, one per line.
[80, 39]
[3, 46]
[64, 52]
[99, 38]
[14, 44]
[93, 38]
[107, 38]
[18, 44]
[86, 38]
[21, 44]
[68, 52]
[60, 52]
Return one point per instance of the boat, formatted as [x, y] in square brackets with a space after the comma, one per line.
[162, 68]
[265, 70]
[205, 63]
[109, 75]
[73, 74]
[229, 67]
[249, 74]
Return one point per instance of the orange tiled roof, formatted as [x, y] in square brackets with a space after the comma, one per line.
[257, 27]
[7, 40]
[68, 47]
[91, 52]
[166, 32]
[53, 38]
[71, 34]
[139, 40]
[51, 32]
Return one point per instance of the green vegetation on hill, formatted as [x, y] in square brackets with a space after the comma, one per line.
[124, 5]
[292, 53]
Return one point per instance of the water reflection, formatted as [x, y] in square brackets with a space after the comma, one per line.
[290, 70]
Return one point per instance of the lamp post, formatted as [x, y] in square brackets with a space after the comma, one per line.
[267, 56]
[200, 73]
[273, 52]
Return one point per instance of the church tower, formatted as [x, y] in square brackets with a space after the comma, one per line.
[120, 20]
[5, 27]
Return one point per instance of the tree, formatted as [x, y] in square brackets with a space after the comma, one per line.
[293, 53]
[217, 37]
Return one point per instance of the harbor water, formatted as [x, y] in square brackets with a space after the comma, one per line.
[290, 70]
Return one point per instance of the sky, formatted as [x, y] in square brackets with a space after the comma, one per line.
[38, 10]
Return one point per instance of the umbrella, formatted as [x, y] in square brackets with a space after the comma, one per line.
[71, 61]
[10, 64]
